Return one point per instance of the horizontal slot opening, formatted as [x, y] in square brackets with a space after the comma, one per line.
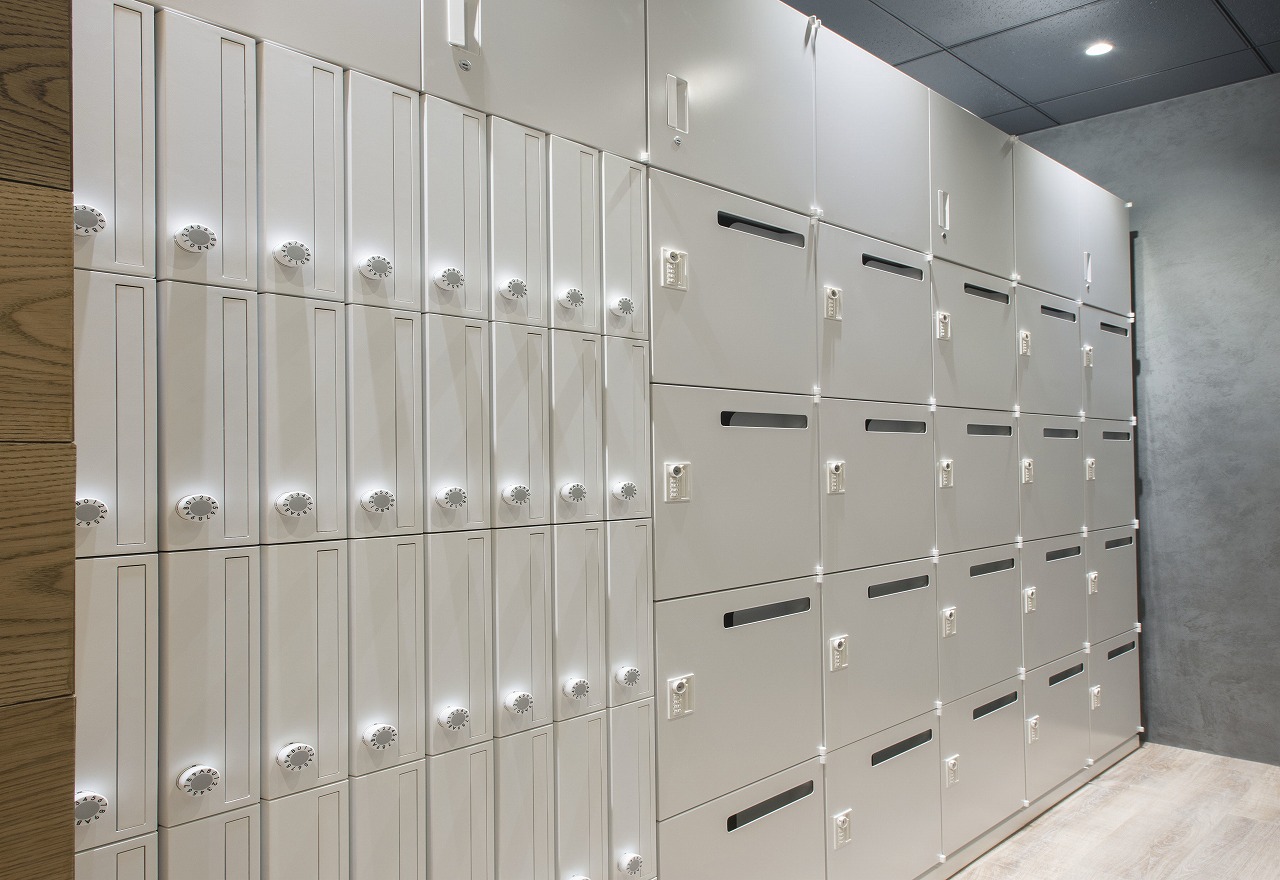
[991, 567]
[766, 612]
[901, 748]
[995, 705]
[991, 430]
[764, 230]
[895, 426]
[1117, 542]
[1060, 677]
[890, 266]
[1064, 553]
[1123, 649]
[893, 587]
[735, 419]
[983, 293]
[1115, 435]
[772, 805]
[1114, 328]
[1050, 312]
[1061, 433]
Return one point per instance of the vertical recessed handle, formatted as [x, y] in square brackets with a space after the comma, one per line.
[457, 22]
[1088, 267]
[677, 103]
[944, 210]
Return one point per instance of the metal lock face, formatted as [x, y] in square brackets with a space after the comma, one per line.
[949, 623]
[833, 304]
[292, 254]
[946, 474]
[1024, 343]
[88, 220]
[952, 769]
[677, 482]
[944, 325]
[1095, 696]
[839, 653]
[1093, 583]
[1033, 729]
[835, 478]
[1029, 600]
[90, 512]
[1088, 355]
[376, 268]
[1028, 470]
[675, 269]
[842, 824]
[1090, 469]
[679, 697]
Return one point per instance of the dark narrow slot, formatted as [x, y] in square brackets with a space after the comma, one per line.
[772, 805]
[764, 230]
[991, 430]
[1064, 553]
[995, 705]
[895, 426]
[1112, 328]
[889, 266]
[735, 419]
[991, 567]
[766, 612]
[1117, 542]
[1050, 312]
[1123, 649]
[1060, 677]
[1115, 435]
[993, 295]
[893, 587]
[903, 747]
[1061, 433]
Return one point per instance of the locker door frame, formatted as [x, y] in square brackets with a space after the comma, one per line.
[1110, 474]
[507, 303]
[215, 843]
[1110, 378]
[467, 194]
[624, 246]
[574, 237]
[1102, 673]
[1049, 733]
[103, 863]
[525, 804]
[1104, 588]
[452, 407]
[576, 426]
[447, 817]
[514, 674]
[290, 823]
[580, 576]
[633, 817]
[629, 608]
[956, 504]
[955, 682]
[378, 845]
[1049, 371]
[528, 445]
[627, 446]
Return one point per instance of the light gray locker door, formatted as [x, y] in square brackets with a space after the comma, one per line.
[460, 798]
[878, 472]
[136, 859]
[971, 175]
[226, 847]
[770, 829]
[303, 390]
[456, 175]
[732, 299]
[384, 193]
[459, 640]
[974, 339]
[384, 422]
[723, 459]
[580, 658]
[517, 223]
[208, 417]
[1049, 372]
[1110, 490]
[1104, 222]
[1057, 723]
[979, 620]
[624, 227]
[881, 642]
[574, 236]
[210, 666]
[883, 807]
[456, 428]
[1114, 694]
[525, 809]
[629, 608]
[577, 426]
[582, 797]
[206, 154]
[301, 153]
[387, 617]
[114, 149]
[977, 479]
[876, 314]
[115, 414]
[308, 835]
[1055, 617]
[1051, 484]
[757, 646]
[1108, 359]
[117, 651]
[872, 177]
[389, 824]
[1046, 221]
[1112, 558]
[523, 610]
[983, 782]
[521, 434]
[626, 429]
[633, 829]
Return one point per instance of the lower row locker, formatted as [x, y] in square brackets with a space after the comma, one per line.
[525, 809]
[1055, 613]
[579, 636]
[1049, 475]
[456, 423]
[459, 640]
[460, 814]
[455, 186]
[633, 829]
[523, 609]
[1112, 557]
[389, 824]
[577, 427]
[979, 620]
[1057, 724]
[629, 611]
[1114, 694]
[976, 490]
[517, 223]
[521, 437]
[225, 847]
[1110, 495]
[573, 235]
[136, 859]
[308, 835]
[582, 797]
[627, 425]
[624, 234]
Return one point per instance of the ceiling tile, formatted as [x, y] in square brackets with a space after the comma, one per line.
[953, 79]
[1046, 59]
[1272, 51]
[1259, 18]
[869, 26]
[955, 21]
[1021, 121]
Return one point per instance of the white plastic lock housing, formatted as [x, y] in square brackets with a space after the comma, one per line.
[90, 512]
[1024, 343]
[574, 493]
[1093, 582]
[515, 289]
[944, 325]
[295, 504]
[949, 621]
[842, 825]
[1090, 469]
[627, 676]
[378, 501]
[678, 481]
[946, 474]
[679, 697]
[675, 269]
[833, 304]
[1029, 600]
[451, 279]
[453, 718]
[295, 756]
[572, 298]
[196, 238]
[89, 807]
[518, 702]
[623, 307]
[452, 497]
[576, 688]
[631, 863]
[517, 495]
[839, 653]
[1033, 729]
[625, 490]
[198, 780]
[376, 268]
[379, 736]
[835, 477]
[1095, 696]
[1028, 470]
[197, 508]
[292, 254]
[88, 220]
[1088, 355]
[952, 766]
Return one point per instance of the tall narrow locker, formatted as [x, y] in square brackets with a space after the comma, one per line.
[579, 655]
[456, 188]
[573, 183]
[134, 859]
[1057, 723]
[627, 426]
[582, 797]
[225, 847]
[456, 436]
[521, 434]
[460, 812]
[629, 610]
[517, 223]
[577, 426]
[523, 626]
[525, 804]
[308, 834]
[633, 829]
[624, 228]
[389, 824]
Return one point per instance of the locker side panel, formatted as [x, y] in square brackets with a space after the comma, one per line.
[577, 426]
[624, 225]
[518, 223]
[521, 434]
[522, 629]
[574, 236]
[633, 829]
[389, 824]
[979, 618]
[629, 609]
[526, 809]
[456, 176]
[457, 423]
[226, 847]
[582, 796]
[1112, 557]
[626, 429]
[460, 814]
[308, 834]
[580, 576]
[136, 859]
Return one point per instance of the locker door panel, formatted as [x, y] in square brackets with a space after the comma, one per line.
[624, 225]
[1110, 485]
[580, 658]
[1054, 599]
[979, 620]
[629, 608]
[456, 147]
[1112, 557]
[1051, 485]
[633, 829]
[977, 481]
[226, 847]
[457, 423]
[136, 859]
[1108, 383]
[574, 234]
[626, 429]
[974, 339]
[525, 810]
[523, 610]
[1105, 230]
[521, 435]
[460, 801]
[1057, 724]
[1047, 228]
[389, 824]
[518, 223]
[307, 835]
[582, 797]
[459, 640]
[1049, 377]
[577, 426]
[1115, 694]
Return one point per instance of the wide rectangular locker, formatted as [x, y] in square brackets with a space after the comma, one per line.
[770, 829]
[1050, 476]
[456, 203]
[883, 806]
[716, 653]
[302, 184]
[974, 339]
[117, 651]
[876, 319]
[1107, 341]
[1050, 379]
[460, 800]
[580, 591]
[1112, 559]
[521, 433]
[574, 235]
[384, 422]
[308, 835]
[878, 468]
[1104, 221]
[525, 809]
[206, 154]
[1055, 613]
[387, 624]
[208, 415]
[1057, 723]
[383, 193]
[626, 428]
[210, 664]
[389, 824]
[136, 859]
[303, 394]
[459, 640]
[226, 847]
[976, 493]
[456, 423]
[115, 414]
[880, 634]
[1110, 487]
[733, 305]
[523, 623]
[979, 620]
[1114, 694]
[725, 462]
[114, 149]
[582, 797]
[633, 829]
[517, 223]
[1046, 223]
[629, 610]
[577, 426]
[624, 230]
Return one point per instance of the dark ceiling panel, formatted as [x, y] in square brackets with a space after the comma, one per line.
[1259, 18]
[968, 88]
[955, 21]
[1272, 51]
[1021, 121]
[869, 26]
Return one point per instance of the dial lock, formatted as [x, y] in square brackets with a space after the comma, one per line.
[515, 289]
[518, 703]
[295, 504]
[378, 501]
[450, 280]
[196, 238]
[379, 737]
[573, 298]
[292, 254]
[625, 491]
[88, 220]
[376, 268]
[574, 493]
[517, 495]
[454, 718]
[90, 512]
[452, 498]
[631, 863]
[197, 508]
[576, 688]
[198, 780]
[627, 676]
[296, 756]
[89, 807]
[623, 307]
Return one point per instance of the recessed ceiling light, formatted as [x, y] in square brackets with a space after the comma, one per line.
[1099, 48]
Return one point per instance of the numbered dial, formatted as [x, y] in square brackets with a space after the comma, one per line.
[378, 501]
[379, 736]
[198, 780]
[376, 268]
[88, 220]
[90, 512]
[296, 756]
[518, 703]
[627, 676]
[292, 254]
[452, 498]
[517, 495]
[574, 493]
[297, 504]
[576, 688]
[573, 298]
[451, 280]
[90, 806]
[631, 863]
[198, 508]
[626, 491]
[515, 289]
[196, 238]
[454, 718]
[623, 307]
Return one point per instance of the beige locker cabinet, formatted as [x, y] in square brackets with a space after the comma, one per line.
[117, 652]
[979, 620]
[460, 801]
[114, 149]
[976, 493]
[210, 663]
[1110, 495]
[521, 433]
[389, 824]
[629, 610]
[523, 625]
[208, 415]
[387, 619]
[517, 223]
[633, 828]
[1107, 342]
[206, 154]
[301, 180]
[308, 835]
[580, 659]
[582, 797]
[1050, 481]
[974, 339]
[1057, 724]
[525, 808]
[135, 859]
[1114, 694]
[1104, 221]
[626, 429]
[226, 847]
[1112, 559]
[456, 423]
[577, 426]
[1047, 225]
[624, 225]
[455, 178]
[115, 414]
[1050, 379]
[383, 193]
[303, 396]
[574, 236]
[1055, 617]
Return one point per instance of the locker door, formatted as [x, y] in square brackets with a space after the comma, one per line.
[518, 223]
[1057, 724]
[388, 654]
[1108, 359]
[384, 194]
[876, 316]
[1049, 377]
[521, 441]
[136, 859]
[979, 620]
[973, 339]
[115, 186]
[582, 797]
[574, 234]
[389, 824]
[580, 658]
[206, 154]
[1046, 219]
[977, 487]
[624, 225]
[459, 640]
[307, 835]
[115, 414]
[1114, 694]
[1105, 231]
[633, 829]
[577, 426]
[626, 429]
[384, 425]
[304, 419]
[457, 209]
[1051, 485]
[629, 609]
[460, 795]
[525, 811]
[456, 419]
[208, 416]
[302, 244]
[1110, 485]
[732, 301]
[209, 683]
[522, 629]
[1112, 558]
[226, 847]
[116, 689]
[1054, 600]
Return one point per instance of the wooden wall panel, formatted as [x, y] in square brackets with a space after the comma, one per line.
[35, 92]
[37, 781]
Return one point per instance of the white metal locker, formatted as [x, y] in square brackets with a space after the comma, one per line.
[574, 236]
[1046, 220]
[1057, 723]
[717, 653]
[1050, 477]
[1050, 380]
[979, 620]
[115, 414]
[1055, 616]
[301, 164]
[977, 479]
[456, 423]
[208, 415]
[733, 305]
[580, 658]
[387, 618]
[389, 824]
[303, 393]
[226, 847]
[629, 609]
[624, 227]
[723, 459]
[876, 312]
[1107, 341]
[1112, 559]
[521, 434]
[455, 180]
[384, 194]
[1104, 220]
[117, 650]
[525, 807]
[206, 154]
[1110, 492]
[577, 426]
[384, 422]
[460, 797]
[308, 835]
[974, 339]
[626, 429]
[114, 148]
[517, 223]
[582, 797]
[209, 683]
[633, 828]
[1114, 694]
[523, 609]
[136, 859]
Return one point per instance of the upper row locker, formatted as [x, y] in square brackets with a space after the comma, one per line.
[574, 235]
[518, 223]
[455, 180]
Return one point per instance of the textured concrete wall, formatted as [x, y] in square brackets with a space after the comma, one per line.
[1204, 175]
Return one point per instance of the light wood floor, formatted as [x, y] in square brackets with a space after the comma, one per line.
[1162, 813]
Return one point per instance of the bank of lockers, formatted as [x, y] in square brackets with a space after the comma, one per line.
[976, 488]
[574, 236]
[456, 423]
[580, 574]
[1114, 693]
[224, 847]
[582, 797]
[1050, 377]
[523, 609]
[460, 813]
[577, 426]
[1050, 476]
[633, 829]
[517, 223]
[1104, 223]
[624, 227]
[629, 610]
[455, 179]
[1107, 341]
[525, 809]
[1109, 496]
[1112, 559]
[979, 619]
[1047, 228]
[389, 824]
[136, 859]
[1054, 599]
[308, 834]
[973, 338]
[626, 428]
[1057, 723]
[115, 414]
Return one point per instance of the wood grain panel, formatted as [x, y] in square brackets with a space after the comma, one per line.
[37, 779]
[35, 92]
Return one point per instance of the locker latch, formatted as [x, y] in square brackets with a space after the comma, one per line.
[952, 767]
[376, 268]
[1088, 355]
[517, 495]
[195, 238]
[454, 718]
[378, 501]
[1028, 470]
[88, 220]
[627, 676]
[90, 512]
[631, 863]
[198, 780]
[1024, 343]
[452, 497]
[675, 269]
[833, 304]
[574, 493]
[379, 737]
[839, 646]
[89, 807]
[197, 508]
[1033, 729]
[835, 478]
[678, 481]
[1095, 696]
[573, 298]
[296, 756]
[292, 254]
[518, 702]
[576, 688]
[949, 622]
[623, 307]
[1091, 469]
[944, 325]
[1093, 583]
[451, 279]
[515, 289]
[1029, 600]
[679, 697]
[946, 474]
[625, 490]
[295, 504]
[842, 824]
